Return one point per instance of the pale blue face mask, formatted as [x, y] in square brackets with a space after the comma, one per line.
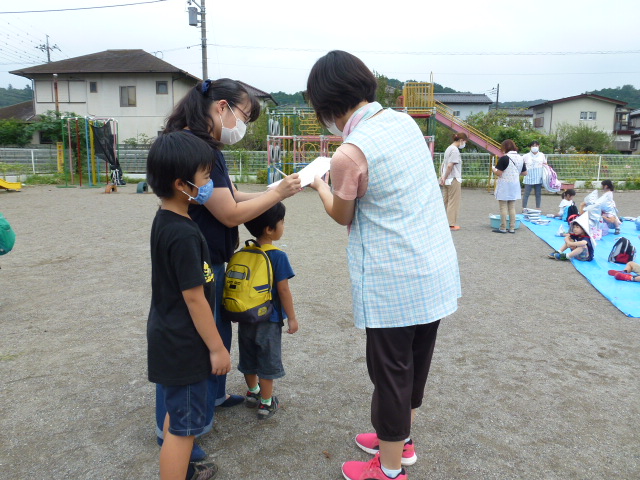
[204, 192]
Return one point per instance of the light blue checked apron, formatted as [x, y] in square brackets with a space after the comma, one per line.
[402, 261]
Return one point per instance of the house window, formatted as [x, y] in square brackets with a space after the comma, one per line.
[93, 87]
[456, 113]
[583, 115]
[127, 96]
[587, 115]
[45, 138]
[538, 122]
[592, 116]
[162, 88]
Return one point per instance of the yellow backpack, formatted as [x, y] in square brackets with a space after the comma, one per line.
[248, 285]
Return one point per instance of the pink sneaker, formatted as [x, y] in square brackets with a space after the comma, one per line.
[627, 277]
[368, 471]
[369, 443]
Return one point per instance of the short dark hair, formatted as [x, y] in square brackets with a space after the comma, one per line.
[337, 83]
[569, 192]
[460, 136]
[270, 218]
[535, 142]
[173, 156]
[508, 145]
[609, 184]
[192, 111]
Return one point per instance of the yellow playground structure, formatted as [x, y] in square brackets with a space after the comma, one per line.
[10, 185]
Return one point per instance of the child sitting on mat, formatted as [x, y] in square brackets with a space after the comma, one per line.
[579, 241]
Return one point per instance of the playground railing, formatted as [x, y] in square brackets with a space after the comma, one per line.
[577, 167]
[29, 160]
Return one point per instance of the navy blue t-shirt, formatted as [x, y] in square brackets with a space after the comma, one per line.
[221, 240]
[282, 270]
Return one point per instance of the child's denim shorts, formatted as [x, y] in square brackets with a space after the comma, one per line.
[187, 408]
[583, 256]
[260, 349]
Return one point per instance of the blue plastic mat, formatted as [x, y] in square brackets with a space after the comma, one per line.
[625, 296]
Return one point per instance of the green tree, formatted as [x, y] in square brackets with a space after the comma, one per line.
[388, 90]
[14, 132]
[498, 125]
[581, 139]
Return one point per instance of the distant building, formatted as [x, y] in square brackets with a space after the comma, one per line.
[606, 114]
[634, 126]
[133, 87]
[464, 104]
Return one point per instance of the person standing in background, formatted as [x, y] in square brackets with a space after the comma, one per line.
[534, 161]
[451, 178]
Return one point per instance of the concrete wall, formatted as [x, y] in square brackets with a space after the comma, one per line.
[146, 117]
[569, 112]
[466, 110]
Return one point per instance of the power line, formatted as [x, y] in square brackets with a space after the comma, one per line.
[85, 8]
[437, 53]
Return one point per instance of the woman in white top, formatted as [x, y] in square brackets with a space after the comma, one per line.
[534, 161]
[451, 178]
[508, 170]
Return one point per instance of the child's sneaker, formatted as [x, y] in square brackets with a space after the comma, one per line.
[368, 470]
[613, 272]
[203, 471]
[626, 277]
[616, 231]
[252, 400]
[369, 443]
[265, 411]
[552, 255]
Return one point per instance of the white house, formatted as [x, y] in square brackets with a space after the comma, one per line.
[464, 104]
[133, 87]
[606, 114]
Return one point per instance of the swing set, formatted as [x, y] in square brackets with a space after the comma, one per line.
[100, 134]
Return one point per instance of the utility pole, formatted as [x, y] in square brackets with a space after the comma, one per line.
[193, 21]
[48, 49]
[497, 96]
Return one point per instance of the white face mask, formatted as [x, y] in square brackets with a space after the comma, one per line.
[334, 129]
[463, 144]
[229, 136]
[535, 149]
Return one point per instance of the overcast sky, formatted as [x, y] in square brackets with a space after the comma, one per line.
[272, 44]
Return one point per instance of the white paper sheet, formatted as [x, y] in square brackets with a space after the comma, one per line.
[319, 167]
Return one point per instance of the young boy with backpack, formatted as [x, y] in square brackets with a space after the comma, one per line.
[184, 346]
[260, 342]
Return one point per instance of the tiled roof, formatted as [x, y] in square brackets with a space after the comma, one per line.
[457, 98]
[20, 111]
[518, 112]
[584, 95]
[256, 92]
[109, 61]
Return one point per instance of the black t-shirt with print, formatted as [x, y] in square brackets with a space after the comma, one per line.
[176, 353]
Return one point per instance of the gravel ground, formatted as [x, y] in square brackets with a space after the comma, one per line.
[534, 377]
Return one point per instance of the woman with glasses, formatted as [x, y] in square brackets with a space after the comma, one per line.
[218, 111]
[402, 262]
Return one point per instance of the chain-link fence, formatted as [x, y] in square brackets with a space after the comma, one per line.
[245, 165]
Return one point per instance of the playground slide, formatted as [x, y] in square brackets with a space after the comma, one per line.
[10, 185]
[459, 126]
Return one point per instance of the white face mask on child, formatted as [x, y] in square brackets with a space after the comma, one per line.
[535, 149]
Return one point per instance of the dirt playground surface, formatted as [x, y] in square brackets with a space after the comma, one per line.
[535, 376]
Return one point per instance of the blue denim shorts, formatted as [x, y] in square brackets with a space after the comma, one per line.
[583, 256]
[187, 407]
[260, 349]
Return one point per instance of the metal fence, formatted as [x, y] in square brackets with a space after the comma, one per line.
[246, 164]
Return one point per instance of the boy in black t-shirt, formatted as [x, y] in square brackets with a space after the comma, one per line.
[184, 346]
